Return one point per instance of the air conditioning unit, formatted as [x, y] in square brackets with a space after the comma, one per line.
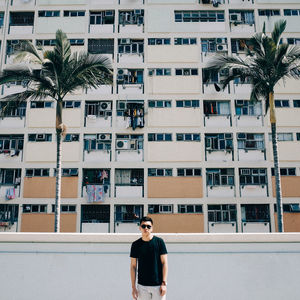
[125, 41]
[108, 13]
[40, 137]
[122, 144]
[103, 137]
[121, 72]
[221, 40]
[137, 12]
[235, 18]
[245, 171]
[222, 47]
[105, 105]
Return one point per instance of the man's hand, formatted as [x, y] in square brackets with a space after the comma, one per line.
[163, 290]
[134, 293]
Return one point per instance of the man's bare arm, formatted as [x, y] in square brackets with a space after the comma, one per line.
[164, 261]
[133, 265]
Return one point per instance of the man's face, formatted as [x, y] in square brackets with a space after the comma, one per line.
[146, 227]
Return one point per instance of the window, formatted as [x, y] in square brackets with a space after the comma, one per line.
[159, 72]
[199, 16]
[241, 17]
[160, 208]
[186, 72]
[293, 41]
[188, 137]
[293, 208]
[37, 172]
[160, 172]
[188, 172]
[133, 109]
[102, 17]
[159, 137]
[189, 208]
[283, 137]
[41, 104]
[129, 177]
[185, 41]
[239, 45]
[97, 142]
[49, 13]
[40, 137]
[130, 76]
[298, 136]
[71, 137]
[125, 142]
[216, 108]
[10, 176]
[9, 213]
[255, 212]
[45, 43]
[101, 46]
[131, 17]
[98, 108]
[96, 176]
[285, 171]
[217, 142]
[74, 13]
[71, 104]
[95, 213]
[1, 19]
[282, 103]
[65, 208]
[12, 110]
[159, 103]
[128, 213]
[251, 141]
[187, 103]
[34, 208]
[269, 12]
[11, 144]
[76, 42]
[130, 46]
[253, 176]
[291, 12]
[217, 177]
[246, 108]
[221, 213]
[21, 18]
[159, 41]
[296, 103]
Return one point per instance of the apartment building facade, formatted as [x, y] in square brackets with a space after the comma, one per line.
[159, 141]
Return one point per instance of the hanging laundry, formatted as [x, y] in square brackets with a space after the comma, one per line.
[95, 193]
[104, 175]
[10, 193]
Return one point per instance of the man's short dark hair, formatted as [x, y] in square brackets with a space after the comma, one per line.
[146, 219]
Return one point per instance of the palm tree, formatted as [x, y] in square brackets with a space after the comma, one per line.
[267, 62]
[55, 74]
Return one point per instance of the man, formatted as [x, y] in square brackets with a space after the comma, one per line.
[148, 256]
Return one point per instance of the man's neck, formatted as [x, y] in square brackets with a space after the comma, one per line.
[147, 237]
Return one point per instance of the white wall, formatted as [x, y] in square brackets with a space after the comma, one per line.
[96, 266]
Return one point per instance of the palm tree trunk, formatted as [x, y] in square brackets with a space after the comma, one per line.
[276, 163]
[59, 131]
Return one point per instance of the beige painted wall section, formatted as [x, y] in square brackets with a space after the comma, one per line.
[287, 151]
[171, 53]
[177, 223]
[174, 85]
[287, 117]
[291, 222]
[174, 117]
[72, 117]
[45, 222]
[46, 151]
[41, 117]
[175, 187]
[290, 186]
[174, 151]
[44, 187]
[290, 86]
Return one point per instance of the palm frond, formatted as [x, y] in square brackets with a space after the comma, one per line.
[279, 28]
[28, 53]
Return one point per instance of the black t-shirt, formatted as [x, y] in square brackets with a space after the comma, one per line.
[148, 260]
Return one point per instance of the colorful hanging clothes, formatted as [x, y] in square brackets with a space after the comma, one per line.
[95, 193]
[10, 193]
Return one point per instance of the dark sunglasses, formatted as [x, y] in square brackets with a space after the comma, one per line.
[144, 226]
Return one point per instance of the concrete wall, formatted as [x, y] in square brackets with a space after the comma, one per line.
[39, 222]
[44, 187]
[201, 266]
[175, 187]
